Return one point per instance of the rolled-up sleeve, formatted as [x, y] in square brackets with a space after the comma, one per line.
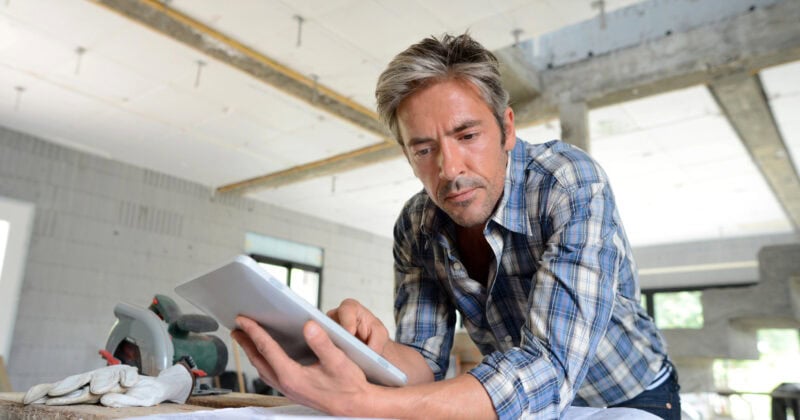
[424, 316]
[569, 306]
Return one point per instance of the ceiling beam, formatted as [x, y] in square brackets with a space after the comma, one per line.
[748, 42]
[741, 97]
[369, 155]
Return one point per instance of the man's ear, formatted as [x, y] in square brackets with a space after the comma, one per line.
[510, 131]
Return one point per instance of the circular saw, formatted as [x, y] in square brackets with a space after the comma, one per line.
[156, 338]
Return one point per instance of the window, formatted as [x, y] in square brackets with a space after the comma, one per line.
[674, 308]
[303, 280]
[778, 362]
[16, 222]
[298, 266]
[3, 241]
[678, 309]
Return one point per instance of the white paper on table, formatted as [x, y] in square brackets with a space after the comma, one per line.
[285, 412]
[300, 412]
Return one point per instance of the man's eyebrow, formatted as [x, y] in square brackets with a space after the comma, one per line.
[459, 128]
[463, 126]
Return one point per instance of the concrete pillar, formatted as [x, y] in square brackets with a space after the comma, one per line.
[575, 123]
[695, 374]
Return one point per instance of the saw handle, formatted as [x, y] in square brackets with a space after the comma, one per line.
[195, 323]
[109, 358]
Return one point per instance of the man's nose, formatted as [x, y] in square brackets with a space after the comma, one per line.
[451, 160]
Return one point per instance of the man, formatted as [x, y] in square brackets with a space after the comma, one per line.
[523, 240]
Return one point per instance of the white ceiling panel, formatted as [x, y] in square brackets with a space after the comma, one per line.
[72, 22]
[15, 52]
[687, 176]
[392, 27]
[782, 85]
[237, 130]
[378, 191]
[467, 12]
[174, 104]
[106, 79]
[533, 18]
[540, 133]
[684, 104]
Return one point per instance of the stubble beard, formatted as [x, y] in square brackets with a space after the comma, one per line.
[452, 209]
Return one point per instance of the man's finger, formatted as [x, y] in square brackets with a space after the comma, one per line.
[328, 354]
[347, 317]
[269, 349]
[264, 369]
[333, 314]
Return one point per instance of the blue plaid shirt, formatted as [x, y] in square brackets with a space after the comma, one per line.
[560, 320]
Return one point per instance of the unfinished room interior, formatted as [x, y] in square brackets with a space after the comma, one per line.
[147, 143]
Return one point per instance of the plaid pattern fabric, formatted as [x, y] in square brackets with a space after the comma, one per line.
[560, 320]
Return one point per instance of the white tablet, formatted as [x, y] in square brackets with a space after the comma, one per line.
[243, 287]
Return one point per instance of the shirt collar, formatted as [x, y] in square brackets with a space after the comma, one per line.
[511, 211]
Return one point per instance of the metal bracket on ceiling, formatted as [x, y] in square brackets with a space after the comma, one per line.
[200, 65]
[601, 5]
[516, 33]
[300, 21]
[79, 52]
[20, 90]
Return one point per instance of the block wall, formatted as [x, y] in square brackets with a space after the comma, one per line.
[106, 232]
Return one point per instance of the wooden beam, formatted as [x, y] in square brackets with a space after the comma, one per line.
[347, 161]
[5, 383]
[160, 17]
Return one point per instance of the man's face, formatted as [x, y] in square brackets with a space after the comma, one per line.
[452, 141]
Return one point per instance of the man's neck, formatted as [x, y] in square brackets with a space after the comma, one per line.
[475, 252]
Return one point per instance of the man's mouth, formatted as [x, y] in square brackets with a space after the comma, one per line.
[461, 196]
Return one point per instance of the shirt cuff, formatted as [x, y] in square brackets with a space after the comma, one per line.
[514, 386]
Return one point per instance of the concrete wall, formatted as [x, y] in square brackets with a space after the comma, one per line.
[106, 232]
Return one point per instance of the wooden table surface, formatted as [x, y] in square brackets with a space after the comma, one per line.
[11, 407]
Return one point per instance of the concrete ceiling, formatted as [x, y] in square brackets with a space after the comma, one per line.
[82, 74]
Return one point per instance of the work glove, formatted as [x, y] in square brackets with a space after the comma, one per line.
[173, 384]
[83, 388]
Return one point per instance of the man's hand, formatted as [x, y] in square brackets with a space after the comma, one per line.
[337, 386]
[360, 322]
[334, 384]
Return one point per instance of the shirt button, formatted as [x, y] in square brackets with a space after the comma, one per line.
[457, 266]
[508, 339]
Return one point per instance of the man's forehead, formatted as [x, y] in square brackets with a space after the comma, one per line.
[414, 109]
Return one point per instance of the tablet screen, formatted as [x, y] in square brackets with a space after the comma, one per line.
[241, 286]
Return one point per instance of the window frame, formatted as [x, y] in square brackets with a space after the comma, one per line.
[649, 294]
[289, 265]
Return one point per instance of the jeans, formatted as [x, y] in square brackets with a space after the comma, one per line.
[662, 401]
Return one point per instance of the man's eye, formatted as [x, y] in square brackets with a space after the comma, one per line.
[469, 136]
[422, 152]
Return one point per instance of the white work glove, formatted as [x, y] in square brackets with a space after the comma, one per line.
[83, 388]
[172, 384]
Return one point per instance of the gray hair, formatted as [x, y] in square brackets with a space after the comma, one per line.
[434, 60]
